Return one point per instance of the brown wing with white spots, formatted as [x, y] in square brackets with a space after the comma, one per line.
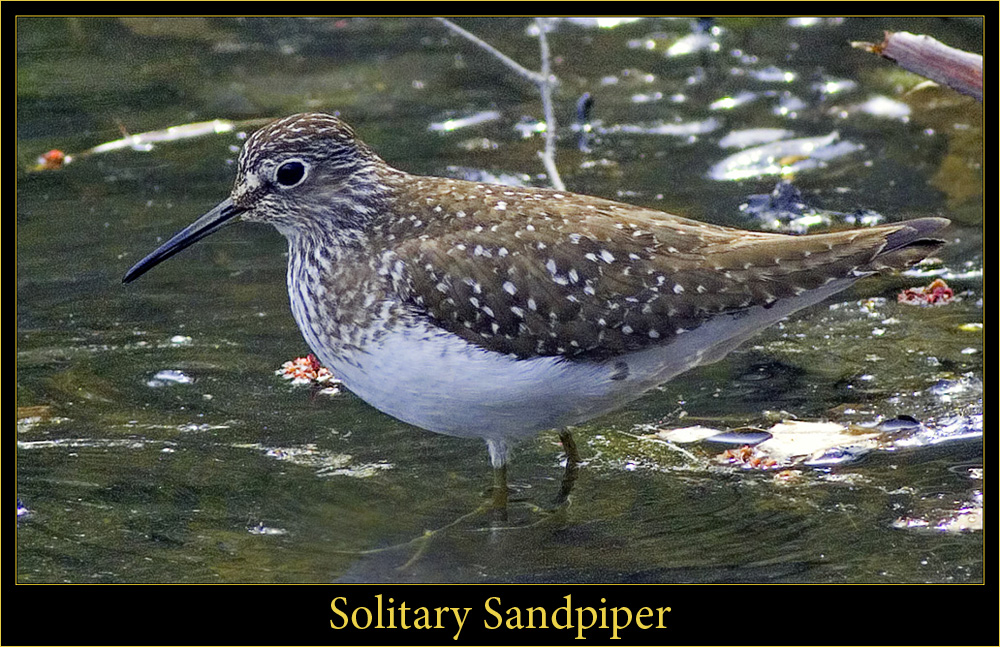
[576, 276]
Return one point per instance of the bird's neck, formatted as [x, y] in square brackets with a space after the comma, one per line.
[341, 295]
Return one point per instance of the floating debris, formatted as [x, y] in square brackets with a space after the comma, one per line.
[785, 210]
[947, 388]
[145, 141]
[837, 456]
[685, 434]
[880, 106]
[552, 24]
[307, 370]
[900, 424]
[261, 529]
[169, 377]
[788, 476]
[52, 160]
[600, 23]
[833, 86]
[950, 430]
[675, 129]
[816, 444]
[772, 74]
[809, 21]
[819, 445]
[91, 443]
[748, 457]
[477, 144]
[741, 438]
[30, 417]
[931, 59]
[529, 127]
[449, 125]
[324, 463]
[193, 427]
[783, 157]
[796, 441]
[730, 102]
[56, 159]
[966, 518]
[936, 294]
[692, 43]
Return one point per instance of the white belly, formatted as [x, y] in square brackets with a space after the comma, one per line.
[436, 380]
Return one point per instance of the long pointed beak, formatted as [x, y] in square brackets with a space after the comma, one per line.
[214, 220]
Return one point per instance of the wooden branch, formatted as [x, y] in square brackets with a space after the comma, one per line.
[534, 77]
[549, 156]
[932, 59]
[543, 80]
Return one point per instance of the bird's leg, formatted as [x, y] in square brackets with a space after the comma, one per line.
[572, 465]
[569, 446]
[500, 493]
[499, 452]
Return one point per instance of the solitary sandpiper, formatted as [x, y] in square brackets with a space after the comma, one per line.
[496, 312]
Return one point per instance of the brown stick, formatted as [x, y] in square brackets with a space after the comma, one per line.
[930, 58]
[545, 82]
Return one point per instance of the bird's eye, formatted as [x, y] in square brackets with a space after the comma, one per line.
[290, 173]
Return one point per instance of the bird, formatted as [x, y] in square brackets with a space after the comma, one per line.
[496, 312]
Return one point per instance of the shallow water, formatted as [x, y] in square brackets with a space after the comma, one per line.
[156, 443]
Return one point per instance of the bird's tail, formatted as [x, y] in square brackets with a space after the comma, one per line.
[907, 243]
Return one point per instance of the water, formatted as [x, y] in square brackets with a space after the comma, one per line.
[156, 444]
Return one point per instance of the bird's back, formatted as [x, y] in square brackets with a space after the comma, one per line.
[538, 272]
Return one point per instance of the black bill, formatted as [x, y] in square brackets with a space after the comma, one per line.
[216, 219]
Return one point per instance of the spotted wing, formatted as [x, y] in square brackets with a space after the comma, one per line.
[576, 276]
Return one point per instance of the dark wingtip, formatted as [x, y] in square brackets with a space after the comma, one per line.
[912, 231]
[909, 244]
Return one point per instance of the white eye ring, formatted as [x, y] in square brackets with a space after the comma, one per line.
[291, 173]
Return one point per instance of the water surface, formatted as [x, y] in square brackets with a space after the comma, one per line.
[156, 444]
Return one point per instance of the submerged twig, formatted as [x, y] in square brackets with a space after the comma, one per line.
[549, 156]
[544, 80]
[534, 77]
[146, 141]
[932, 59]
